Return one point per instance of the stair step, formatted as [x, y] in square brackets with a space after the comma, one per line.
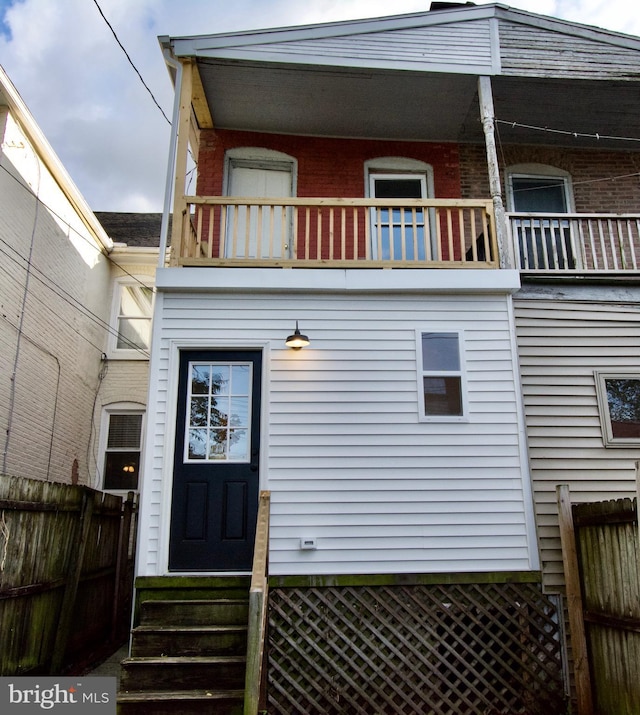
[152, 640]
[182, 702]
[183, 673]
[224, 611]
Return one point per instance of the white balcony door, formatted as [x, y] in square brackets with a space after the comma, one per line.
[259, 232]
[400, 233]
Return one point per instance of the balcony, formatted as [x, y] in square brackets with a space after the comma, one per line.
[336, 233]
[575, 243]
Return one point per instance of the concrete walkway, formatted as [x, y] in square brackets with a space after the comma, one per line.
[111, 666]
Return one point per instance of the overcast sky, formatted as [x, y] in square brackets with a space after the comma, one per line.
[97, 115]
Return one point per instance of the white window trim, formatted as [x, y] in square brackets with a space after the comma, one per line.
[538, 171]
[113, 351]
[186, 459]
[399, 167]
[118, 408]
[603, 406]
[462, 374]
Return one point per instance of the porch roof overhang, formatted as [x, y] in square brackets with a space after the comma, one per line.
[411, 77]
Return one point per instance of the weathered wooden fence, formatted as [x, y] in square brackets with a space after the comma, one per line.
[443, 648]
[66, 575]
[603, 597]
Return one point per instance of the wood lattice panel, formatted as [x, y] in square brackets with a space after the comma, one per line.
[485, 649]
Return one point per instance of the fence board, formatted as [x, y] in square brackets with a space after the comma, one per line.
[62, 553]
[607, 538]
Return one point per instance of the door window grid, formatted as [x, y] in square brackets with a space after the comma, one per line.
[440, 376]
[218, 412]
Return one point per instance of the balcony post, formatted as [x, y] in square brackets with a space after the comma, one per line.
[488, 124]
[182, 151]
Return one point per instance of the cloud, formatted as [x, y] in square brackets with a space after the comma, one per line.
[96, 113]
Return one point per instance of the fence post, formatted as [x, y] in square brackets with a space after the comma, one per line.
[574, 601]
[122, 565]
[638, 509]
[71, 588]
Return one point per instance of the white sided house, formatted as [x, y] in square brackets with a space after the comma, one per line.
[351, 197]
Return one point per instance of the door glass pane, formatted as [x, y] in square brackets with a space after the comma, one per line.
[239, 445]
[219, 412]
[197, 443]
[200, 377]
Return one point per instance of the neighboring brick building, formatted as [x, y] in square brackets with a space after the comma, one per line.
[60, 347]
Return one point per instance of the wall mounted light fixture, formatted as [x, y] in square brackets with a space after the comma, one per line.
[297, 340]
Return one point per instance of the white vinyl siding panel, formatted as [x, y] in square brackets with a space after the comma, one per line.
[528, 50]
[456, 45]
[348, 462]
[560, 345]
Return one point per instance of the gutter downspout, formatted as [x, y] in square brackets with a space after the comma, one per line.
[171, 167]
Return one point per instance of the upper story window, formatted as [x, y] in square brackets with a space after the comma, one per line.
[441, 381]
[619, 402]
[543, 243]
[132, 311]
[400, 233]
[256, 231]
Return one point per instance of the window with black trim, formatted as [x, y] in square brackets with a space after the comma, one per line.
[122, 449]
[441, 384]
[619, 402]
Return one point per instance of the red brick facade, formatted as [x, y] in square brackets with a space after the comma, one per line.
[327, 167]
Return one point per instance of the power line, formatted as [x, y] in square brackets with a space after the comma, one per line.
[76, 232]
[71, 300]
[113, 32]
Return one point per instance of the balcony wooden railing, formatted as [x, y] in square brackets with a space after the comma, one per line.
[575, 242]
[313, 232]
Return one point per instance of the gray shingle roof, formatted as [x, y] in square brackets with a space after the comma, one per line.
[134, 229]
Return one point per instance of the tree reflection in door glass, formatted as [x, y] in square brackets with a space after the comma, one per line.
[218, 412]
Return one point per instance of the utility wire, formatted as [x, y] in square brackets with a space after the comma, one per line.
[68, 298]
[113, 32]
[88, 241]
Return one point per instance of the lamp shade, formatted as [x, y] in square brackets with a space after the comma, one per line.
[297, 340]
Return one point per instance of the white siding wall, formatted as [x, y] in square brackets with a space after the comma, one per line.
[561, 344]
[46, 408]
[346, 459]
[456, 44]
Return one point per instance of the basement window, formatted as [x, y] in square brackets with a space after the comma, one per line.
[441, 384]
[619, 403]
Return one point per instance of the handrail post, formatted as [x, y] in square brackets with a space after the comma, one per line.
[258, 600]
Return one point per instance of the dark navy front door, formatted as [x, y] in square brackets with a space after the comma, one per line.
[215, 477]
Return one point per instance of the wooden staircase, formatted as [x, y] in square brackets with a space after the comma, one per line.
[188, 649]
